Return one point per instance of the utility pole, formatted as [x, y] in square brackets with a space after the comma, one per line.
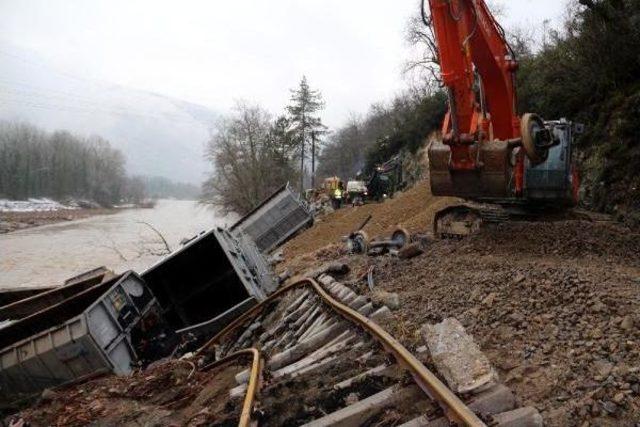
[313, 159]
[302, 157]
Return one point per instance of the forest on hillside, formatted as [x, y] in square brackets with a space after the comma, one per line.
[590, 73]
[61, 166]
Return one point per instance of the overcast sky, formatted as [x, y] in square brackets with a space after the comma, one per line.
[214, 52]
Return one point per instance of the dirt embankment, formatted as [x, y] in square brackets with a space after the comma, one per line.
[12, 221]
[412, 209]
[609, 156]
[553, 304]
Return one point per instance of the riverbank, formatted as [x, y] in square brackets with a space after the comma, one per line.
[118, 239]
[13, 221]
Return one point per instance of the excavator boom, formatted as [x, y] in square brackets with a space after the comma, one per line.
[470, 41]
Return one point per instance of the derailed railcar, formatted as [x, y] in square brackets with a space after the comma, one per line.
[211, 280]
[89, 333]
[84, 329]
[31, 304]
[275, 220]
[11, 295]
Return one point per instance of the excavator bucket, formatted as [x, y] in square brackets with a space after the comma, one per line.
[490, 180]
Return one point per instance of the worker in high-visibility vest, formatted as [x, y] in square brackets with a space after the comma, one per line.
[337, 197]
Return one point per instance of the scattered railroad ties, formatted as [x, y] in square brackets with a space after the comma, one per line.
[319, 358]
[315, 354]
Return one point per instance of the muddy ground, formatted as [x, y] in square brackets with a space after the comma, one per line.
[554, 305]
[169, 394]
[411, 209]
[12, 221]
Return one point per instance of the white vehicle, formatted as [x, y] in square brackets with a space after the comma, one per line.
[356, 192]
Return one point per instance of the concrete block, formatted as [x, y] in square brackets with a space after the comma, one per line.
[521, 417]
[457, 357]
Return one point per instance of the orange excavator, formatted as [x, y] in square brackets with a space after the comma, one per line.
[502, 163]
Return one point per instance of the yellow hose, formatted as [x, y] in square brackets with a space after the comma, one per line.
[252, 386]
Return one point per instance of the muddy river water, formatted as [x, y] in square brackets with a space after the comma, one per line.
[50, 254]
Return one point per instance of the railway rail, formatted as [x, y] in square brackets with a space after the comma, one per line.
[323, 360]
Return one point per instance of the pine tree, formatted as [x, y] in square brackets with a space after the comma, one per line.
[305, 104]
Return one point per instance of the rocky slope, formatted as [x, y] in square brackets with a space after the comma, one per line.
[553, 304]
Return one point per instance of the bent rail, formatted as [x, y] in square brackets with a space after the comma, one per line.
[452, 406]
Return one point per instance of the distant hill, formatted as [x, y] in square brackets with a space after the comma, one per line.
[159, 135]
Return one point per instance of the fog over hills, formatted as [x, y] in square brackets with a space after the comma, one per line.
[159, 135]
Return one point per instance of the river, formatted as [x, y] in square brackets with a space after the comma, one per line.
[50, 254]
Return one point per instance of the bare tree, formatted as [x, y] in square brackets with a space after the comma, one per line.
[167, 248]
[155, 245]
[249, 160]
[424, 65]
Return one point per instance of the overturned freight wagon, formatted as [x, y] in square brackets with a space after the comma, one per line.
[91, 332]
[275, 220]
[208, 282]
[31, 304]
[88, 278]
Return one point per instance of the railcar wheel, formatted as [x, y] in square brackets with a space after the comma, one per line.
[358, 243]
[401, 236]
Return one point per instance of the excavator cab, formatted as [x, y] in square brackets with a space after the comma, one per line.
[554, 181]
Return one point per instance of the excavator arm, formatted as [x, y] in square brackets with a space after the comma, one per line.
[482, 127]
[472, 43]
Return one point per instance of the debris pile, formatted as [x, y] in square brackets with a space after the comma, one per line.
[553, 305]
[412, 209]
[169, 393]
